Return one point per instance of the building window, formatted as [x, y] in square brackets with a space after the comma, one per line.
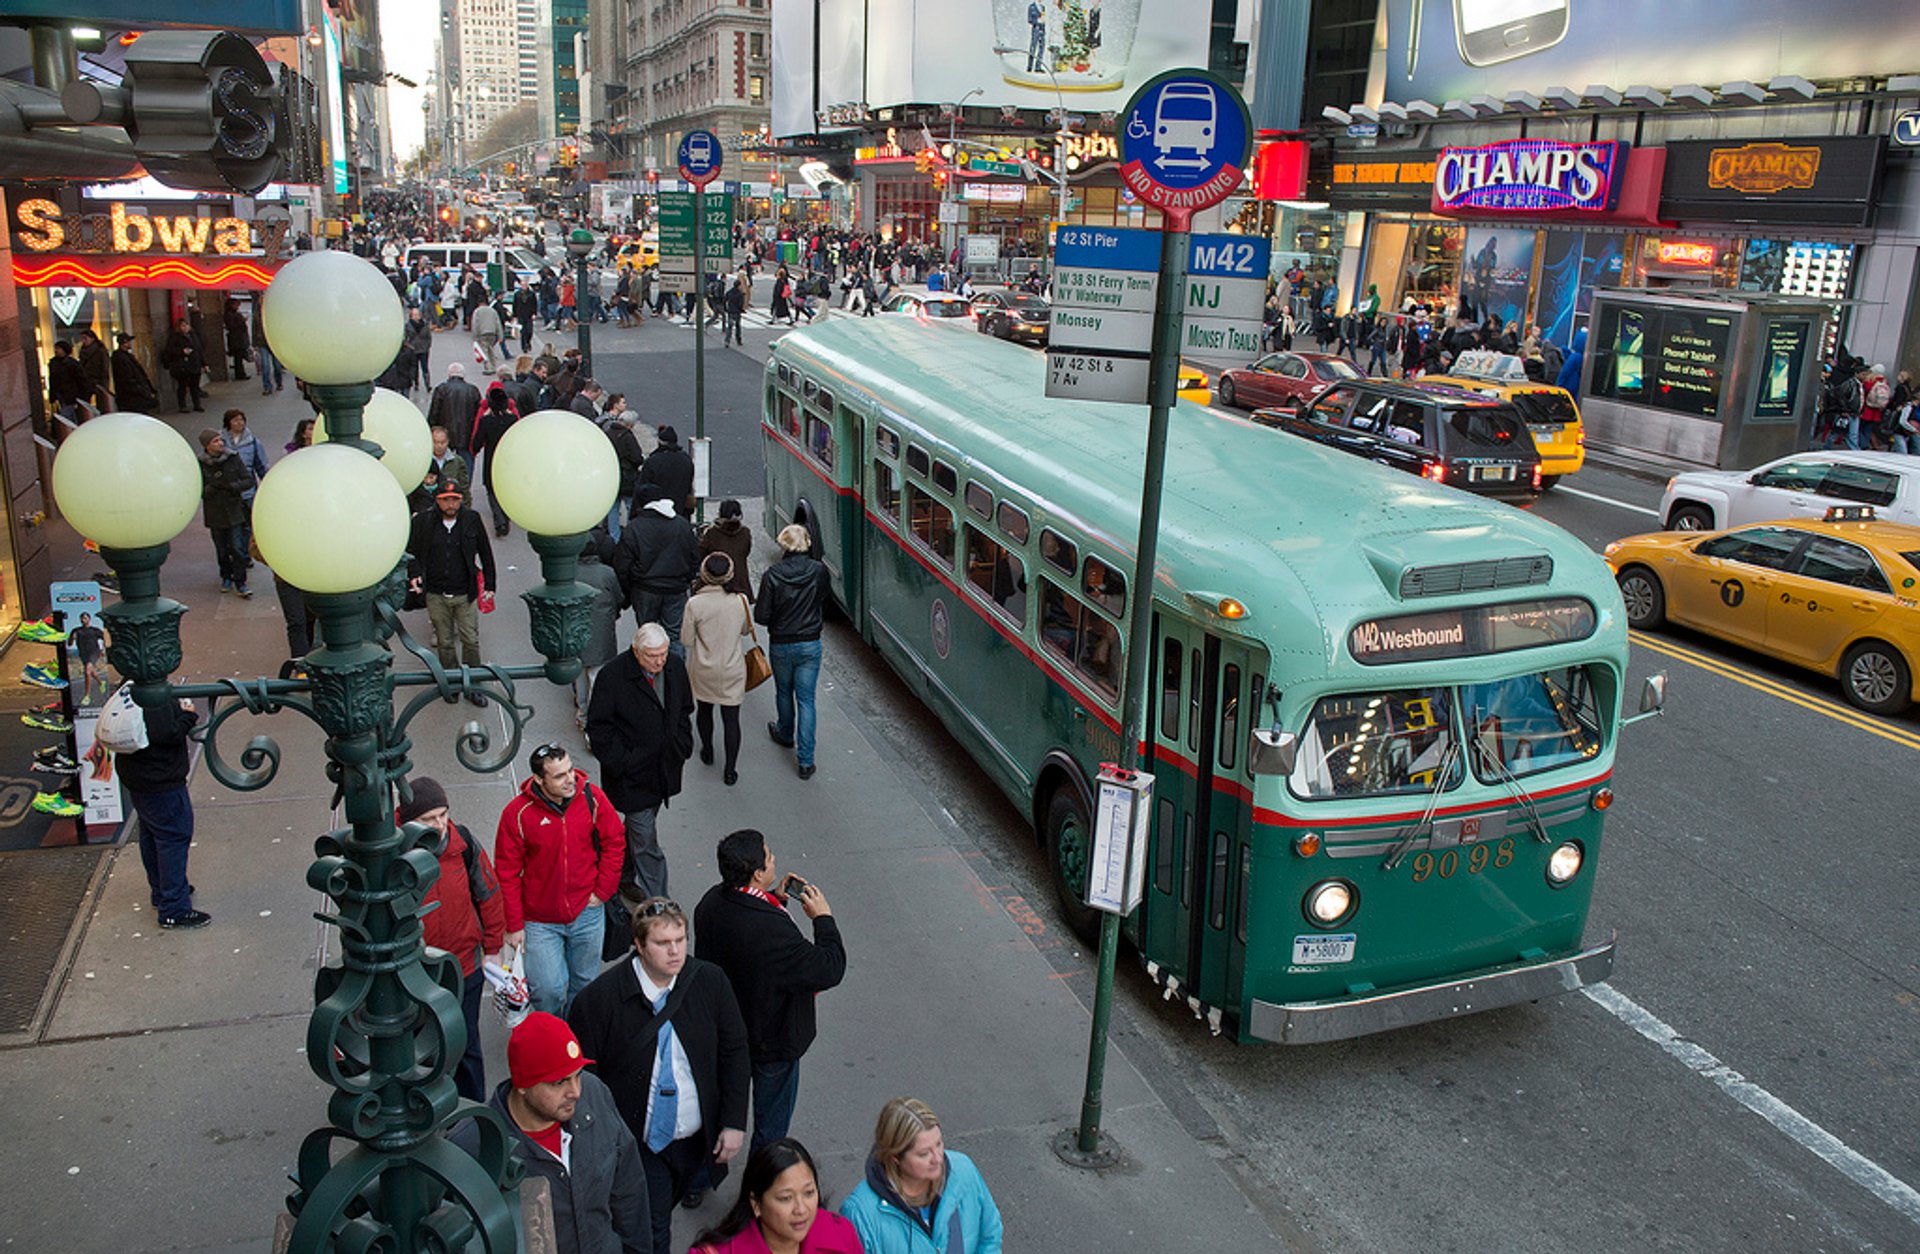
[756, 87]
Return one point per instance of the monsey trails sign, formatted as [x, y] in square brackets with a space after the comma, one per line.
[1529, 175]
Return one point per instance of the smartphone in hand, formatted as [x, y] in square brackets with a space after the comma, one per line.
[792, 886]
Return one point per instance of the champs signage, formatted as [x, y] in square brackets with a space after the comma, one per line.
[1530, 176]
[1824, 182]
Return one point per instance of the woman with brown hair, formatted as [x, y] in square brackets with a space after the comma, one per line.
[711, 628]
[920, 1197]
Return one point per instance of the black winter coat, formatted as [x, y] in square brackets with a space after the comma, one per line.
[475, 550]
[774, 970]
[626, 447]
[612, 1018]
[455, 406]
[641, 736]
[730, 536]
[161, 766]
[222, 481]
[793, 599]
[181, 355]
[671, 469]
[493, 424]
[132, 385]
[655, 554]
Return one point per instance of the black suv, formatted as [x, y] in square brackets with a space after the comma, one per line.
[1008, 313]
[1448, 435]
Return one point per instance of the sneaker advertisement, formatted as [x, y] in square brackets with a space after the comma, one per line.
[92, 683]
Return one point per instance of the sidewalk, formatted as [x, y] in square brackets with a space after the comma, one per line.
[169, 1090]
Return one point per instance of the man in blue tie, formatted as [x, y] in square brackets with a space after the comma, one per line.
[672, 1047]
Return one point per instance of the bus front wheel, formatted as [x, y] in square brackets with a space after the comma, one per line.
[1070, 853]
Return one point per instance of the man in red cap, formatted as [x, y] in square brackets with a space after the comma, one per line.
[450, 562]
[564, 1127]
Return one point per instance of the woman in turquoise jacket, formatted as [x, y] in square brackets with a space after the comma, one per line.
[920, 1197]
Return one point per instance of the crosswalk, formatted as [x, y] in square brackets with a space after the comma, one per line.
[761, 318]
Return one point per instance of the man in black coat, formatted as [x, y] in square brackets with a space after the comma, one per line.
[670, 467]
[156, 782]
[446, 554]
[455, 405]
[745, 930]
[526, 307]
[66, 382]
[691, 1111]
[132, 385]
[498, 413]
[183, 360]
[640, 724]
[657, 558]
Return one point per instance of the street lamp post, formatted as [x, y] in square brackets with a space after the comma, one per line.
[950, 233]
[387, 1030]
[579, 244]
[1062, 131]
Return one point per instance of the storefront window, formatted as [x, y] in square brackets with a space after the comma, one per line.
[1431, 273]
[1685, 261]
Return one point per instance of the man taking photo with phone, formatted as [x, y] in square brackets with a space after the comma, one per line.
[743, 927]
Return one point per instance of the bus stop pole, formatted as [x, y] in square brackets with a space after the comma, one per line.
[700, 330]
[1162, 390]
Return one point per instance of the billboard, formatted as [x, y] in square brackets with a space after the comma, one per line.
[1091, 54]
[1440, 50]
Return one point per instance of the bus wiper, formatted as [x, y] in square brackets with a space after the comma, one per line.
[1512, 784]
[1442, 774]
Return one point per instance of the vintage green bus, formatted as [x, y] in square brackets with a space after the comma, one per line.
[1383, 712]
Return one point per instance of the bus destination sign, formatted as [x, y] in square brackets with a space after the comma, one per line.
[1471, 631]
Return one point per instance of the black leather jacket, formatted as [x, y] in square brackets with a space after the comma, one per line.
[793, 599]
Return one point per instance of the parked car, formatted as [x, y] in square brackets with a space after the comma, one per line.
[920, 302]
[1284, 379]
[1447, 435]
[1804, 485]
[1008, 313]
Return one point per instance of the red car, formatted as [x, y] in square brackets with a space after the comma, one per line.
[1284, 379]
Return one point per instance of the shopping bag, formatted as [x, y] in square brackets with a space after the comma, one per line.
[123, 724]
[759, 670]
[508, 979]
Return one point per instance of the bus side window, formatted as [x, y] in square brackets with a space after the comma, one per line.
[1229, 743]
[1193, 705]
[820, 440]
[886, 443]
[787, 414]
[997, 574]
[886, 490]
[1170, 690]
[1082, 639]
[1217, 883]
[1256, 707]
[932, 524]
[979, 500]
[945, 477]
[1163, 849]
[1100, 654]
[1240, 908]
[1104, 586]
[917, 459]
[1058, 551]
[1013, 521]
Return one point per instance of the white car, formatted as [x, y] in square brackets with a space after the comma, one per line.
[1804, 485]
[933, 306]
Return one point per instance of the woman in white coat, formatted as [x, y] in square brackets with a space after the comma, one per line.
[713, 631]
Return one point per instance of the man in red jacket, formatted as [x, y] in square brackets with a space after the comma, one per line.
[471, 921]
[558, 848]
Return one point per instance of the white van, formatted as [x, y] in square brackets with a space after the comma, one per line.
[500, 262]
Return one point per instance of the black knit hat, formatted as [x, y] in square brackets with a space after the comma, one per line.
[427, 795]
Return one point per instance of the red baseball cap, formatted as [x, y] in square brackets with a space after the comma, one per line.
[543, 1049]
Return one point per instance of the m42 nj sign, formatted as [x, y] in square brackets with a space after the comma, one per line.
[1223, 297]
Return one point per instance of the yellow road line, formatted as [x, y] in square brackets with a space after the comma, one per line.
[1829, 709]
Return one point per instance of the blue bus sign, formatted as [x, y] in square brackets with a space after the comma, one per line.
[1184, 141]
[699, 157]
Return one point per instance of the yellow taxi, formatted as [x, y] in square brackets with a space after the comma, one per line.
[638, 254]
[1839, 595]
[1195, 383]
[1549, 412]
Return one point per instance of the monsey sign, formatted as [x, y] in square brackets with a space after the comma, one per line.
[1531, 175]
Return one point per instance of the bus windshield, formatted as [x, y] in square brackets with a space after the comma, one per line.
[1532, 722]
[1376, 743]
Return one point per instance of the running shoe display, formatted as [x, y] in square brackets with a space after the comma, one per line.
[58, 764]
[43, 677]
[42, 631]
[58, 806]
[47, 722]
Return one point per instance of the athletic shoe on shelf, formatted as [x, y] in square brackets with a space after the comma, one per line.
[41, 631]
[51, 707]
[47, 722]
[43, 677]
[52, 753]
[58, 764]
[58, 806]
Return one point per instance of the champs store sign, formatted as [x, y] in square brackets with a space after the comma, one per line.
[129, 246]
[1531, 175]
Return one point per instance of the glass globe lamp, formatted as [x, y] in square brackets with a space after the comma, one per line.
[400, 429]
[333, 318]
[127, 481]
[556, 473]
[330, 519]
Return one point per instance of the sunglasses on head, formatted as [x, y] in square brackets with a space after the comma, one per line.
[657, 907]
[547, 753]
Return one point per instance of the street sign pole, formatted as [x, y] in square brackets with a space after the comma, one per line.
[699, 158]
[1204, 177]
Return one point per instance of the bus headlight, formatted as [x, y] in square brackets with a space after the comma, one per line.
[1564, 863]
[1330, 902]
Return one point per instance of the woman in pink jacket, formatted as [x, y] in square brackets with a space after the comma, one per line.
[780, 1210]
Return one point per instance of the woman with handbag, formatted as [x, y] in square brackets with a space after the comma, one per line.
[714, 630]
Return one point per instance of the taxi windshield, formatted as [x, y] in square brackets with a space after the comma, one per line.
[1377, 743]
[1532, 722]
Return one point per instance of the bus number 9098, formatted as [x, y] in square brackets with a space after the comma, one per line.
[1447, 863]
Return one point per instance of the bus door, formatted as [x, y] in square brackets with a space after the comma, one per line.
[855, 465]
[1202, 808]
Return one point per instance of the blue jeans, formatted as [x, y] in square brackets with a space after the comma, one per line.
[613, 516]
[665, 608]
[166, 833]
[796, 671]
[776, 1090]
[272, 375]
[563, 958]
[470, 1077]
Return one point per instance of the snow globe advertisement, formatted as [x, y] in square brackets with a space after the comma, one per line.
[1068, 45]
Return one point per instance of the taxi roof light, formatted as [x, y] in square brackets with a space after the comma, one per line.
[1851, 513]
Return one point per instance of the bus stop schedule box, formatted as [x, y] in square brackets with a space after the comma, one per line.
[1117, 880]
[1717, 378]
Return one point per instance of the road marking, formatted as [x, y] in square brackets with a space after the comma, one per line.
[1803, 1131]
[1564, 490]
[1819, 705]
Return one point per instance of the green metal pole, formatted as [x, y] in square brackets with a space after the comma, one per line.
[1162, 390]
[700, 328]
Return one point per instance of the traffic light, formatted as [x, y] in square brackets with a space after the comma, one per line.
[446, 214]
[923, 161]
[939, 178]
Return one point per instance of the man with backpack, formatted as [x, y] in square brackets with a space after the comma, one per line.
[471, 920]
[1841, 401]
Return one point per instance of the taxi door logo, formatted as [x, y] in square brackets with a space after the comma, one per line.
[1732, 593]
[1763, 169]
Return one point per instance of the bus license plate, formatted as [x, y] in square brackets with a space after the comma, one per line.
[1492, 474]
[1319, 951]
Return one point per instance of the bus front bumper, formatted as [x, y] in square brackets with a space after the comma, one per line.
[1316, 1022]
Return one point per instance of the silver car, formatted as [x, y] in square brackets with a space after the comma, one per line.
[1804, 485]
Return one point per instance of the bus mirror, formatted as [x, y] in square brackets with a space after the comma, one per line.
[1273, 751]
[1653, 698]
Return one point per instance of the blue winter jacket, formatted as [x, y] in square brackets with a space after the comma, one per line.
[1569, 376]
[965, 1222]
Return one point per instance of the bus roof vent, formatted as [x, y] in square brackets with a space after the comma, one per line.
[1458, 577]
